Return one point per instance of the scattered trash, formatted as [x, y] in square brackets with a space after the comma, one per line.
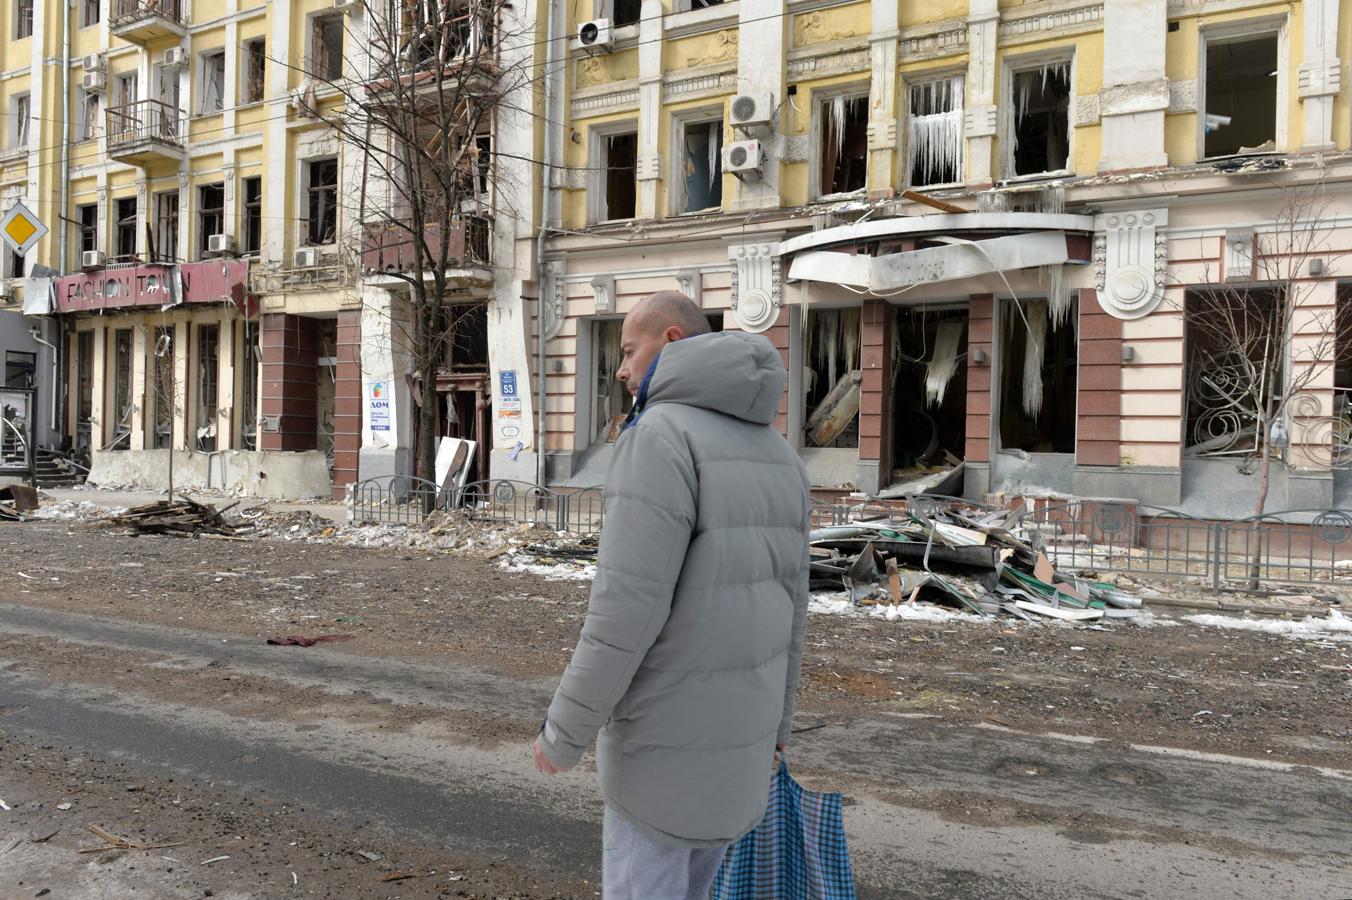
[300, 640]
[63, 806]
[15, 500]
[958, 555]
[121, 843]
[45, 838]
[4, 806]
[13, 842]
[400, 876]
[369, 856]
[182, 516]
[214, 859]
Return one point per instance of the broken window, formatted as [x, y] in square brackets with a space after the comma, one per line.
[620, 162]
[326, 47]
[626, 12]
[832, 382]
[248, 407]
[1231, 363]
[701, 177]
[128, 89]
[208, 373]
[23, 19]
[210, 215]
[22, 106]
[844, 144]
[253, 215]
[84, 405]
[126, 228]
[162, 386]
[929, 390]
[255, 69]
[21, 369]
[89, 116]
[1342, 379]
[612, 402]
[166, 227]
[465, 337]
[1039, 359]
[321, 224]
[121, 389]
[212, 82]
[89, 226]
[1240, 105]
[934, 132]
[326, 381]
[1040, 132]
[91, 14]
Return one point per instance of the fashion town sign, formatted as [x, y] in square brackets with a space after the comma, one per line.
[210, 281]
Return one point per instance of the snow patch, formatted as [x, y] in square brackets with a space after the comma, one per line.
[566, 571]
[1336, 627]
[836, 605]
[74, 511]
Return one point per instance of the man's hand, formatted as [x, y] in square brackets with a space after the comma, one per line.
[542, 762]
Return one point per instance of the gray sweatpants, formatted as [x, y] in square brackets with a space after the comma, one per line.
[635, 867]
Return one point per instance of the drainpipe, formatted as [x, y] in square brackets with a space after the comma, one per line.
[546, 172]
[65, 132]
[36, 333]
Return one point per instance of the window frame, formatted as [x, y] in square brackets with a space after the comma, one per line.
[253, 217]
[598, 139]
[121, 221]
[209, 215]
[88, 6]
[88, 234]
[204, 59]
[310, 191]
[23, 19]
[1012, 66]
[1246, 29]
[255, 56]
[312, 56]
[22, 128]
[91, 106]
[681, 123]
[917, 80]
[817, 135]
[170, 228]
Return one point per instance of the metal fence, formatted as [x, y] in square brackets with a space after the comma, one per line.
[405, 500]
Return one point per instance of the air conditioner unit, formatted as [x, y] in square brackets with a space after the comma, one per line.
[305, 258]
[175, 58]
[743, 158]
[93, 62]
[752, 109]
[595, 36]
[222, 244]
[92, 259]
[345, 5]
[94, 81]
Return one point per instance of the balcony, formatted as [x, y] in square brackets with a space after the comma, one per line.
[145, 21]
[390, 248]
[455, 62]
[144, 132]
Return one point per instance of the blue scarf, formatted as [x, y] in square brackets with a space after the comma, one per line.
[640, 401]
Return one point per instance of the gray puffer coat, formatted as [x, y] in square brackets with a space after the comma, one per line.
[690, 653]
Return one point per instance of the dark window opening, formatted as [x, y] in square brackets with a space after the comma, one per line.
[1041, 128]
[122, 405]
[844, 148]
[326, 48]
[89, 227]
[213, 82]
[929, 390]
[208, 378]
[210, 215]
[326, 390]
[621, 171]
[1228, 335]
[464, 337]
[934, 132]
[831, 344]
[248, 407]
[162, 387]
[166, 227]
[1039, 360]
[612, 400]
[627, 12]
[1240, 109]
[253, 215]
[23, 19]
[21, 369]
[321, 222]
[92, 12]
[125, 246]
[84, 403]
[255, 69]
[16, 263]
[702, 166]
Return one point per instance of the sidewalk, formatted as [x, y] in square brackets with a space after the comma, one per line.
[337, 512]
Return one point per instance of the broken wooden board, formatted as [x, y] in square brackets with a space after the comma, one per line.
[1060, 612]
[836, 411]
[932, 202]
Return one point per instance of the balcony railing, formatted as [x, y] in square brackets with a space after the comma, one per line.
[131, 12]
[391, 248]
[143, 124]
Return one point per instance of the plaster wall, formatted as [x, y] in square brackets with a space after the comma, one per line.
[278, 475]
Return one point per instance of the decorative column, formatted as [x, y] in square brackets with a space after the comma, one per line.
[1135, 87]
[981, 115]
[980, 343]
[347, 402]
[1320, 75]
[649, 173]
[762, 52]
[883, 113]
[1098, 414]
[290, 349]
[875, 397]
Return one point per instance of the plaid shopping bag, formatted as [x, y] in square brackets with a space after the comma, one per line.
[797, 852]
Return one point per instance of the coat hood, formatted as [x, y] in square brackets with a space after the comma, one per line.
[730, 372]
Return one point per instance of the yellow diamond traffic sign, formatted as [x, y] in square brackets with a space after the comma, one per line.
[21, 229]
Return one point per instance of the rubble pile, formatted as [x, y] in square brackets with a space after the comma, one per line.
[966, 557]
[15, 501]
[181, 516]
[294, 525]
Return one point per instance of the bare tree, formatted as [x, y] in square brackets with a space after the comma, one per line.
[1259, 344]
[422, 84]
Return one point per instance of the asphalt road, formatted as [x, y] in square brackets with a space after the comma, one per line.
[933, 810]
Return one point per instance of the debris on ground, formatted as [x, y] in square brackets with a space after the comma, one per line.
[16, 500]
[962, 556]
[1333, 627]
[182, 516]
[113, 842]
[300, 640]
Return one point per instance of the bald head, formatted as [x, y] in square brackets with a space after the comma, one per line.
[664, 309]
[655, 322]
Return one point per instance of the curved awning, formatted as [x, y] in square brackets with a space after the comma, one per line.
[954, 224]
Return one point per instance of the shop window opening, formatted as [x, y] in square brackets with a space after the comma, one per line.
[162, 355]
[1230, 356]
[463, 393]
[1039, 359]
[208, 371]
[929, 390]
[122, 405]
[248, 429]
[84, 405]
[326, 391]
[832, 378]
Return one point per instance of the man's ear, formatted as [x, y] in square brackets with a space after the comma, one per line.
[673, 334]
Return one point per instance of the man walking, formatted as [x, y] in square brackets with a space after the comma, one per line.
[690, 654]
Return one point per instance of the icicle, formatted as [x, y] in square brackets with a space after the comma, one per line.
[939, 372]
[836, 114]
[714, 128]
[1035, 349]
[850, 338]
[1060, 298]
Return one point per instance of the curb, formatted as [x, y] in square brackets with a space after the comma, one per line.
[1232, 607]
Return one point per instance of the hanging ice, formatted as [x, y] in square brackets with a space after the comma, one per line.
[1035, 349]
[941, 367]
[934, 131]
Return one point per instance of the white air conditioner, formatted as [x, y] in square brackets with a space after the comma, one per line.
[345, 5]
[595, 36]
[742, 158]
[752, 109]
[93, 62]
[175, 58]
[305, 258]
[94, 81]
[92, 259]
[221, 244]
